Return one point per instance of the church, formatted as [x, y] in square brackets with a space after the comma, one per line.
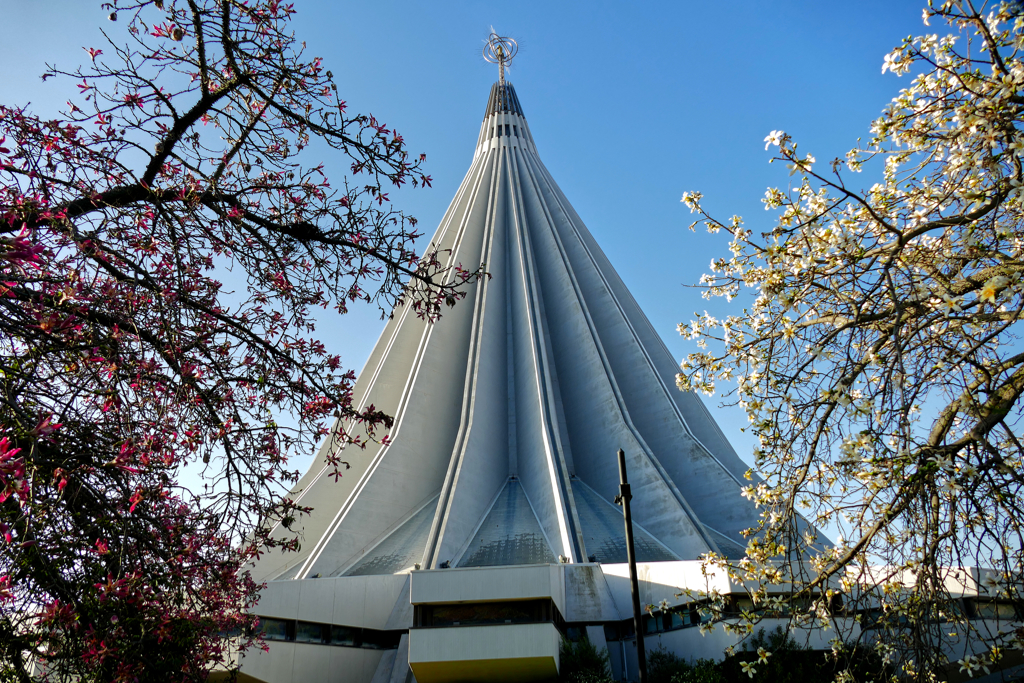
[486, 530]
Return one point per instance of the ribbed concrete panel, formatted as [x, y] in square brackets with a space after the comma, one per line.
[644, 374]
[412, 469]
[698, 420]
[385, 382]
[730, 547]
[604, 531]
[509, 535]
[541, 464]
[478, 469]
[597, 419]
[509, 410]
[401, 550]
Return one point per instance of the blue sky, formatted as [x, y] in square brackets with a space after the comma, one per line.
[630, 104]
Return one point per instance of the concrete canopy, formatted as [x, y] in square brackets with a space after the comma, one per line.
[509, 410]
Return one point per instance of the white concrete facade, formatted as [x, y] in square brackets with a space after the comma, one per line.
[495, 496]
[587, 596]
[509, 410]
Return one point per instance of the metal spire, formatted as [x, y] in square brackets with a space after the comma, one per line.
[500, 50]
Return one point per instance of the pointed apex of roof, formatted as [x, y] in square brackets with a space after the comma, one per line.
[503, 100]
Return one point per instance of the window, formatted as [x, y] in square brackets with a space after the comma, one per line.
[676, 620]
[481, 613]
[276, 629]
[990, 609]
[622, 630]
[737, 605]
[876, 617]
[345, 635]
[515, 131]
[328, 634]
[306, 632]
[380, 640]
[680, 617]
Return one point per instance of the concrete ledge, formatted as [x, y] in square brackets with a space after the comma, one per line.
[506, 652]
[488, 584]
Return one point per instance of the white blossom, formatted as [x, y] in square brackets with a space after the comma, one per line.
[877, 355]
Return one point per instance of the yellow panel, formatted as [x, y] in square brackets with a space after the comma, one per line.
[222, 675]
[518, 670]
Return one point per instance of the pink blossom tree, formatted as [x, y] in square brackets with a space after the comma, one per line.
[180, 160]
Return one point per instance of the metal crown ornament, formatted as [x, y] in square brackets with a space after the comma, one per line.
[500, 50]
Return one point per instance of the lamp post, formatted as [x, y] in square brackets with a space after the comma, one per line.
[638, 618]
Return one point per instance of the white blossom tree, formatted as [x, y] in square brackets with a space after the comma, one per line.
[879, 357]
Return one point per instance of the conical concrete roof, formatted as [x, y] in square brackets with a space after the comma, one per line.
[509, 410]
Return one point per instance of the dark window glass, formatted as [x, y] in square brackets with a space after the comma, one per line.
[466, 614]
[515, 131]
[742, 605]
[306, 632]
[344, 635]
[275, 629]
[702, 614]
[507, 131]
[348, 636]
[482, 614]
[380, 640]
[1004, 611]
